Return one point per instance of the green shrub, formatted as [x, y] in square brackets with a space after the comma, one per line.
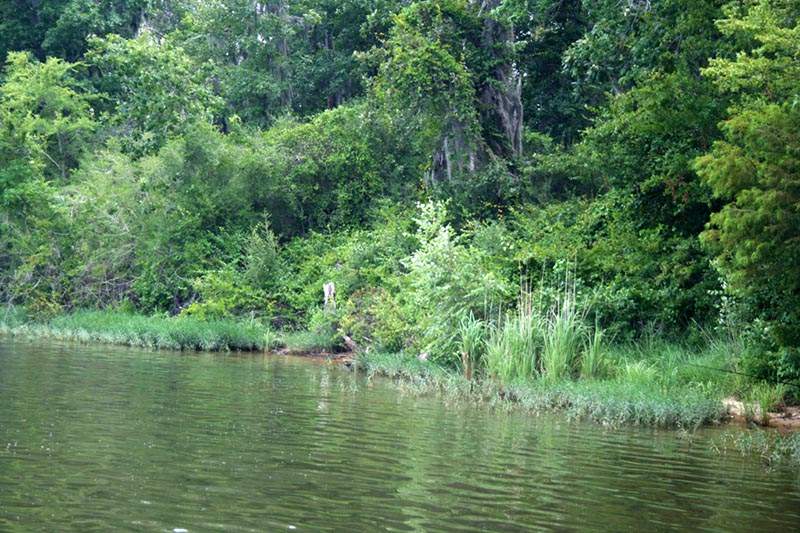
[373, 317]
[630, 276]
[223, 294]
[324, 325]
[448, 280]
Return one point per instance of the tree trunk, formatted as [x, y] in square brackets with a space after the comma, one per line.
[502, 100]
[501, 108]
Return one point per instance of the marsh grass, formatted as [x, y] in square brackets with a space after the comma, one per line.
[564, 334]
[770, 446]
[153, 332]
[514, 343]
[657, 383]
[610, 402]
[307, 341]
[621, 403]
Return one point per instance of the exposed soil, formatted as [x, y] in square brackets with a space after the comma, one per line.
[345, 358]
[787, 419]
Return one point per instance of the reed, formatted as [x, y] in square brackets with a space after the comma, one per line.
[514, 343]
[472, 344]
[564, 335]
[593, 358]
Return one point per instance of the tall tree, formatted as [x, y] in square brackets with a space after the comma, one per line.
[151, 90]
[276, 57]
[61, 27]
[46, 122]
[448, 68]
[755, 171]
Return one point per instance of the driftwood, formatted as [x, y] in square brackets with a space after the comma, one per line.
[350, 343]
[329, 291]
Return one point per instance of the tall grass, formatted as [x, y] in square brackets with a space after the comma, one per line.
[472, 344]
[554, 345]
[155, 332]
[564, 336]
[593, 360]
[514, 343]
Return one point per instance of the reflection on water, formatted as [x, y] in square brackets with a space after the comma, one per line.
[99, 438]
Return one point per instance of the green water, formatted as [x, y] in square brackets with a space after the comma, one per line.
[102, 438]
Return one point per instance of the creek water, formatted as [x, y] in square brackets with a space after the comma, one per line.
[98, 438]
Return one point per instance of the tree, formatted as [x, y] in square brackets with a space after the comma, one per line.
[46, 120]
[61, 27]
[755, 171]
[278, 57]
[544, 31]
[625, 42]
[448, 70]
[151, 89]
[46, 123]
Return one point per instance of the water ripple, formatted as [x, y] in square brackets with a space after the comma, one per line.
[97, 438]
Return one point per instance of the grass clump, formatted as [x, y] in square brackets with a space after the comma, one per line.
[513, 346]
[472, 336]
[772, 447]
[307, 341]
[564, 335]
[761, 399]
[154, 332]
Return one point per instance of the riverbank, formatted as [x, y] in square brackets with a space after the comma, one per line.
[633, 399]
[663, 386]
[662, 400]
[650, 384]
[151, 332]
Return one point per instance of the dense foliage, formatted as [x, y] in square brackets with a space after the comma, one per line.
[428, 157]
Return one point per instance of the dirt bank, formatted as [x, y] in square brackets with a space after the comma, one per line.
[787, 419]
